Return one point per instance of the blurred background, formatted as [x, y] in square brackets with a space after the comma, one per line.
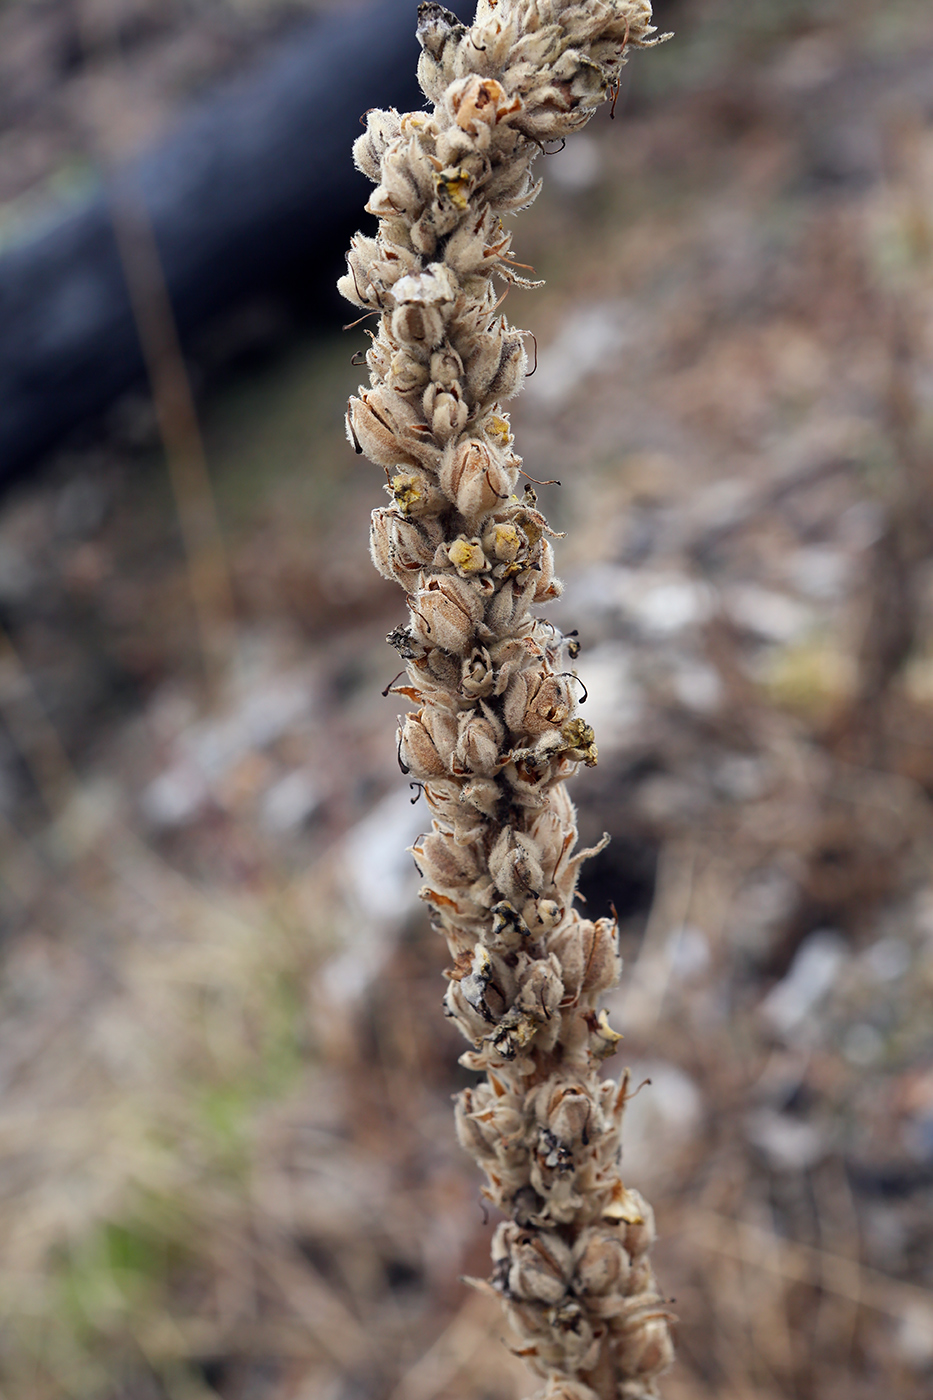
[227, 1160]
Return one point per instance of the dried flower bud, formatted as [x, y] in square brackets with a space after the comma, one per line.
[640, 1231]
[446, 368]
[548, 705]
[482, 794]
[437, 28]
[442, 668]
[407, 372]
[444, 410]
[508, 613]
[631, 1211]
[536, 1266]
[540, 990]
[381, 130]
[374, 432]
[495, 1123]
[472, 1022]
[407, 176]
[478, 742]
[509, 374]
[546, 585]
[576, 1341]
[602, 1263]
[450, 867]
[510, 654]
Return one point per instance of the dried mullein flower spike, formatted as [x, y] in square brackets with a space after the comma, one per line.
[497, 728]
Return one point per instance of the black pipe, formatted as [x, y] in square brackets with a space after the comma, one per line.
[254, 192]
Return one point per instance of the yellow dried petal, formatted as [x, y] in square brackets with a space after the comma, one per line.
[467, 557]
[405, 492]
[578, 735]
[623, 1206]
[604, 1039]
[455, 184]
[505, 542]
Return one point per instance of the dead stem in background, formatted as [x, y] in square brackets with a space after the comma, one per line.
[835, 1274]
[208, 571]
[645, 987]
[209, 578]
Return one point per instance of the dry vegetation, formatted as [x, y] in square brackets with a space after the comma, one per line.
[228, 1163]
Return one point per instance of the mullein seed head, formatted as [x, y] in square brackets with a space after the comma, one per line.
[497, 729]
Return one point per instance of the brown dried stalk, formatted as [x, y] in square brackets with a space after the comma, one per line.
[495, 731]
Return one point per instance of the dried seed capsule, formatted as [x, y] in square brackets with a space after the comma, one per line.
[647, 1350]
[565, 1106]
[475, 477]
[445, 613]
[479, 741]
[400, 549]
[588, 955]
[514, 865]
[418, 751]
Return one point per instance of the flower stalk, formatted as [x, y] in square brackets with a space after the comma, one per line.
[495, 730]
